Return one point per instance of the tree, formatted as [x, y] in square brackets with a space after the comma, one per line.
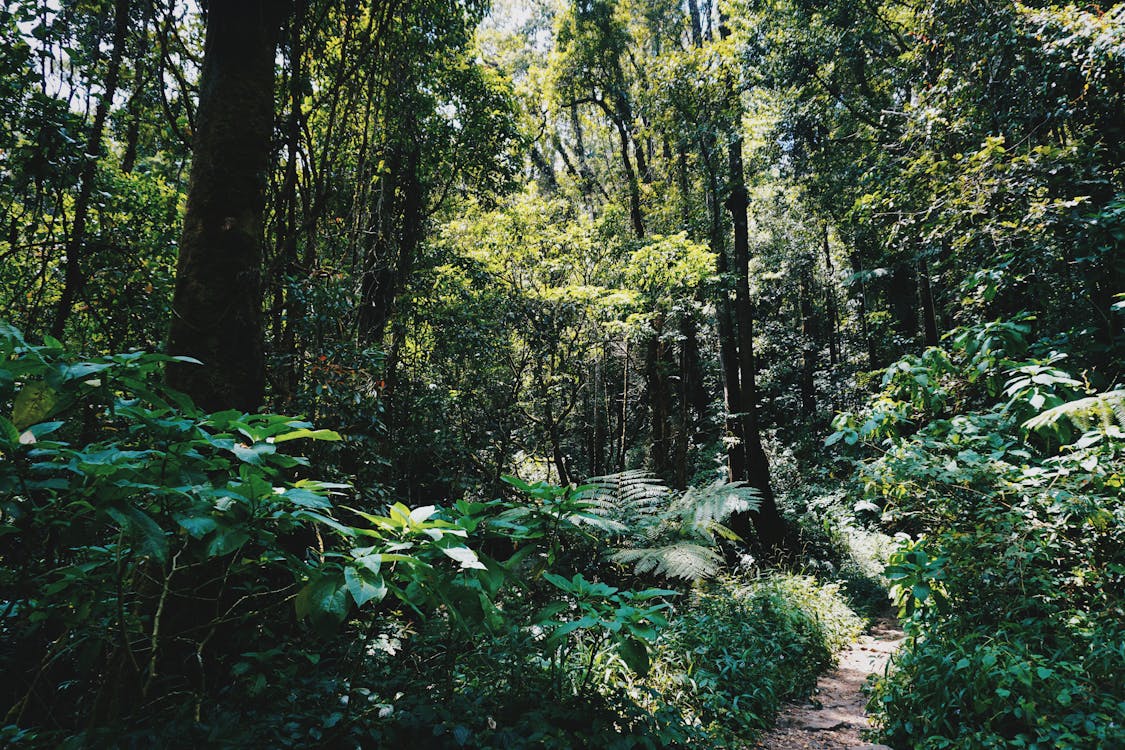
[216, 310]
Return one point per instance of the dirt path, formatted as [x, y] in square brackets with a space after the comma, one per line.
[833, 717]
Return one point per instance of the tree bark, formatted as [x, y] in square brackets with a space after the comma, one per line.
[390, 260]
[657, 366]
[216, 310]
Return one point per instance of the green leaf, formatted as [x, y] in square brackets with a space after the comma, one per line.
[83, 370]
[198, 526]
[150, 538]
[34, 403]
[309, 434]
[253, 454]
[330, 522]
[557, 581]
[324, 601]
[634, 652]
[423, 513]
[306, 498]
[10, 433]
[226, 540]
[44, 428]
[364, 586]
[465, 556]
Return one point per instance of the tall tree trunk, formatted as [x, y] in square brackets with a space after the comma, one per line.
[768, 523]
[597, 449]
[861, 299]
[902, 294]
[659, 398]
[693, 397]
[624, 426]
[635, 214]
[696, 24]
[728, 346]
[390, 261]
[289, 308]
[140, 72]
[684, 186]
[808, 340]
[216, 310]
[926, 296]
[833, 307]
[695, 393]
[76, 243]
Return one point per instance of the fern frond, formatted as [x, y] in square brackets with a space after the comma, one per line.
[684, 560]
[702, 509]
[1106, 409]
[627, 495]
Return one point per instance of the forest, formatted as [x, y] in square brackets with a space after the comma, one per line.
[560, 373]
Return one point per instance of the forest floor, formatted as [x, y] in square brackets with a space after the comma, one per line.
[834, 718]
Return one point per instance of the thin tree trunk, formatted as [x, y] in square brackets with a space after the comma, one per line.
[76, 243]
[926, 295]
[869, 343]
[728, 349]
[288, 308]
[903, 297]
[696, 25]
[808, 341]
[597, 447]
[833, 308]
[133, 132]
[624, 410]
[659, 397]
[635, 214]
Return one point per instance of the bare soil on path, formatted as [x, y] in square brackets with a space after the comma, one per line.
[834, 717]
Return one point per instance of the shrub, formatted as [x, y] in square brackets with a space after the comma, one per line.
[1011, 479]
[742, 649]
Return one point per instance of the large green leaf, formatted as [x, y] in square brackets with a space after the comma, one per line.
[309, 434]
[364, 586]
[634, 652]
[34, 403]
[324, 601]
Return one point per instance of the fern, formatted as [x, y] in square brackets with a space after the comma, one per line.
[669, 534]
[1104, 409]
[685, 560]
[627, 495]
[706, 509]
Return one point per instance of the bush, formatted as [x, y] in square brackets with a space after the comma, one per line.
[1010, 477]
[742, 649]
[143, 544]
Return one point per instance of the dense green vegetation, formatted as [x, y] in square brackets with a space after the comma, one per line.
[559, 373]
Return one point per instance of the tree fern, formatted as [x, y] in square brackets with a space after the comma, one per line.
[669, 533]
